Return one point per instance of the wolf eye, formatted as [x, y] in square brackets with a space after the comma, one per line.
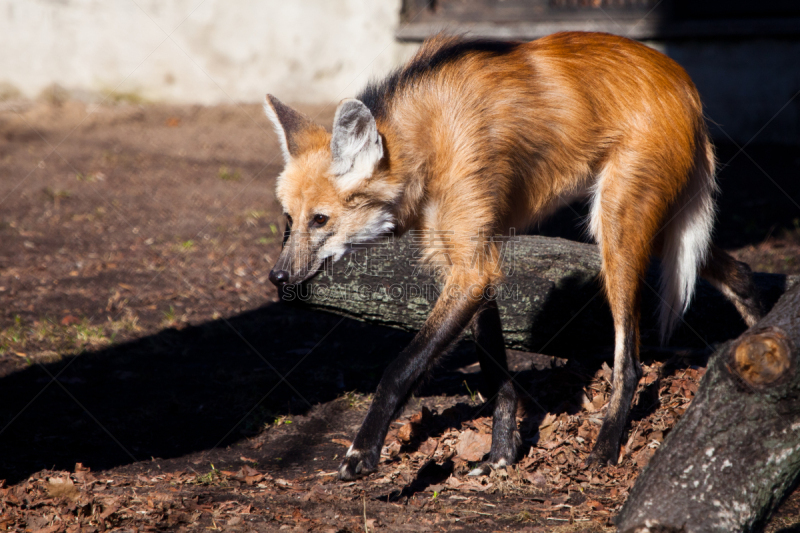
[320, 220]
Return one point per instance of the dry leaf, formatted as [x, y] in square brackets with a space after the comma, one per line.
[586, 403]
[406, 432]
[473, 446]
[643, 457]
[608, 374]
[414, 426]
[546, 427]
[599, 401]
[429, 446]
[596, 505]
[535, 478]
[552, 444]
[70, 320]
[453, 482]
[392, 449]
[62, 487]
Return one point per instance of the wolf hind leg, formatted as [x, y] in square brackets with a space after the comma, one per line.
[490, 347]
[625, 230]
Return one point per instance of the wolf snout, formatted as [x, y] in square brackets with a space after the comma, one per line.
[279, 278]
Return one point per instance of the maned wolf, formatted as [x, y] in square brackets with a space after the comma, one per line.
[472, 138]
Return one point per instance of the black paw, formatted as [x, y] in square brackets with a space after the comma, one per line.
[486, 467]
[356, 464]
[602, 455]
[501, 458]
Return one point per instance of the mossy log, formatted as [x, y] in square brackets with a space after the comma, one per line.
[551, 300]
[736, 452]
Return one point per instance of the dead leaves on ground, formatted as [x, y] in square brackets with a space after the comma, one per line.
[423, 469]
[557, 445]
[68, 502]
[472, 446]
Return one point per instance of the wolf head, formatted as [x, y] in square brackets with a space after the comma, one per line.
[330, 189]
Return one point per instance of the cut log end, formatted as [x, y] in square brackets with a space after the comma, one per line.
[763, 358]
[734, 454]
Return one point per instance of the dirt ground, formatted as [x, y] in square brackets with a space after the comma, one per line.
[150, 380]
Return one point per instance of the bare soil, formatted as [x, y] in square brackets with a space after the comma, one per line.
[150, 379]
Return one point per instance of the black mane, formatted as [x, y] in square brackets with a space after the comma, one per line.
[376, 95]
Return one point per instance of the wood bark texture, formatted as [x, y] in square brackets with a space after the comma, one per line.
[735, 453]
[551, 300]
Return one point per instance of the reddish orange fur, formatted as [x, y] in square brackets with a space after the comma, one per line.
[487, 142]
[559, 109]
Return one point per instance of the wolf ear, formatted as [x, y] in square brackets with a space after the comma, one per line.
[356, 146]
[289, 125]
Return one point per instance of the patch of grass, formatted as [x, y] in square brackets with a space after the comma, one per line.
[226, 174]
[91, 336]
[91, 177]
[213, 477]
[355, 400]
[45, 331]
[12, 336]
[121, 97]
[173, 319]
[47, 340]
[281, 420]
[170, 318]
[56, 194]
[472, 395]
[185, 246]
[252, 216]
[129, 323]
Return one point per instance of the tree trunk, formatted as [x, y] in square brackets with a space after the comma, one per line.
[551, 301]
[734, 454]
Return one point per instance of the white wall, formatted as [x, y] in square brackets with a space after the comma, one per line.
[204, 51]
[317, 51]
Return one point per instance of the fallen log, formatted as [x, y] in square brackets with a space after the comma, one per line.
[551, 300]
[735, 453]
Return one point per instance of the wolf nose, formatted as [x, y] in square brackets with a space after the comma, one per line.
[279, 277]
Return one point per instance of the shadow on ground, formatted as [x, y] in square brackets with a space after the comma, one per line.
[178, 392]
[205, 388]
[210, 386]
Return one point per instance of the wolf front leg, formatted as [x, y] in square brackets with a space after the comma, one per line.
[451, 314]
[490, 347]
